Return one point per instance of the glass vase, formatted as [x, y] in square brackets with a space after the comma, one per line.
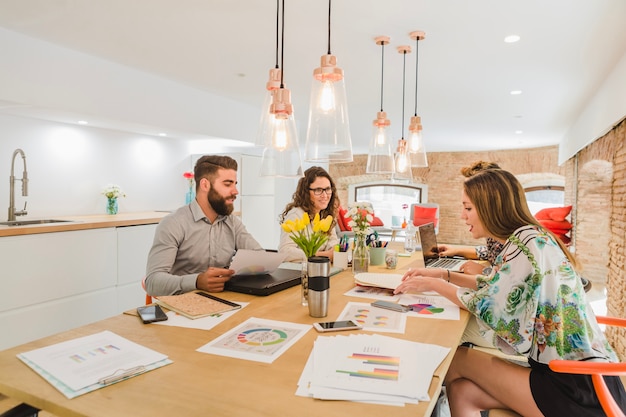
[189, 196]
[112, 205]
[304, 276]
[360, 256]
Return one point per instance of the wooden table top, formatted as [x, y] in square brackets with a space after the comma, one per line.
[200, 384]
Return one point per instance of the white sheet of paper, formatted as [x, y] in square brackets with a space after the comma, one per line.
[256, 262]
[373, 368]
[81, 362]
[257, 339]
[374, 319]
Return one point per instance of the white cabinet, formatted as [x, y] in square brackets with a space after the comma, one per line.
[133, 245]
[52, 282]
[256, 202]
[56, 281]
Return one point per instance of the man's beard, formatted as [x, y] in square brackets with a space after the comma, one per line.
[219, 203]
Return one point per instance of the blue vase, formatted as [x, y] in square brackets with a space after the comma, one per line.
[189, 196]
[112, 205]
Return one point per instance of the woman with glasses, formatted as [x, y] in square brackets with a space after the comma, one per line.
[316, 193]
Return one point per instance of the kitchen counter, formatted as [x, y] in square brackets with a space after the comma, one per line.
[95, 221]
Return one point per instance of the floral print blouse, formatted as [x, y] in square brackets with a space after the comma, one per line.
[533, 303]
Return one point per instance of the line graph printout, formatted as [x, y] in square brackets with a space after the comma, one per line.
[257, 339]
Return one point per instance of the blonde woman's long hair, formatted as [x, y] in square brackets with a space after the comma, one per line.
[501, 205]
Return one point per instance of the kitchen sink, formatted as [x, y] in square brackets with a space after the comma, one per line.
[29, 222]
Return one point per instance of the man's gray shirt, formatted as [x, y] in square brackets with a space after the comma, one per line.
[186, 244]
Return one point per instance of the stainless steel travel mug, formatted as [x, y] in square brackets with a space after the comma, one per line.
[319, 284]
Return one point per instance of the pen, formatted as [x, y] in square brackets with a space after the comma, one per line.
[116, 377]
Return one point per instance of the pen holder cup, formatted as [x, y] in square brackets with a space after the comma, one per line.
[340, 260]
[377, 256]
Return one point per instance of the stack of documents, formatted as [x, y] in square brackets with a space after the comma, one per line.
[85, 364]
[370, 368]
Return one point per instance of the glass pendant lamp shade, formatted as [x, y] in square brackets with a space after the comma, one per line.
[402, 163]
[281, 155]
[380, 157]
[417, 151]
[267, 118]
[328, 131]
[402, 159]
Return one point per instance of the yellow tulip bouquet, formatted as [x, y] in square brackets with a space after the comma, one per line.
[310, 240]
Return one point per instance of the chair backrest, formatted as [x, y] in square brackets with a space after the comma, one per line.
[426, 213]
[597, 370]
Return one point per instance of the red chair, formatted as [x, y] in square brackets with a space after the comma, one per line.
[597, 370]
[143, 285]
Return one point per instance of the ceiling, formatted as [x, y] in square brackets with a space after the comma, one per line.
[466, 70]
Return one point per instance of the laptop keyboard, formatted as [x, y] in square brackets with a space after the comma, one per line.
[444, 263]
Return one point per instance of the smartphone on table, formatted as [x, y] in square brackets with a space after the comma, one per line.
[335, 326]
[151, 313]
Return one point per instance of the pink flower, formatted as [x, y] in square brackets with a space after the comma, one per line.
[189, 176]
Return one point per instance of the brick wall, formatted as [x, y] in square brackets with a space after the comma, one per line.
[595, 184]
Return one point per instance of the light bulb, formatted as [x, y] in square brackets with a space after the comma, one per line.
[402, 163]
[327, 97]
[380, 136]
[279, 138]
[415, 142]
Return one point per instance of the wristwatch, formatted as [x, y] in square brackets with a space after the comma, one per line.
[487, 270]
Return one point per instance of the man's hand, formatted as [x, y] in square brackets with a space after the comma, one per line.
[213, 279]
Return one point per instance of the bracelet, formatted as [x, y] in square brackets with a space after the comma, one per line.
[448, 275]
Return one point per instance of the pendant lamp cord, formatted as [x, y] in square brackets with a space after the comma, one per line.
[282, 46]
[417, 41]
[329, 27]
[382, 73]
[403, 88]
[277, 30]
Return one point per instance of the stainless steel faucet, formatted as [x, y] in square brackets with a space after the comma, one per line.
[12, 211]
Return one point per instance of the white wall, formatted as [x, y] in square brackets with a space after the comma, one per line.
[44, 75]
[68, 167]
[605, 110]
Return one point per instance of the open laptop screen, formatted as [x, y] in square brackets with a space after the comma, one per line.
[428, 241]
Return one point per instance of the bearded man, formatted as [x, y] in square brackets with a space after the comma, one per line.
[194, 245]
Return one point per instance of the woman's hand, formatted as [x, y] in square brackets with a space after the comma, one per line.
[471, 268]
[424, 272]
[416, 283]
[447, 251]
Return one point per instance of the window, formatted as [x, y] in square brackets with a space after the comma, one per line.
[540, 197]
[387, 198]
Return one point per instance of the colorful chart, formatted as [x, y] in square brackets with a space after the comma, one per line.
[426, 309]
[389, 373]
[262, 337]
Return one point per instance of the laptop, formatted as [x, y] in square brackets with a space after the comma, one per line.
[265, 284]
[428, 240]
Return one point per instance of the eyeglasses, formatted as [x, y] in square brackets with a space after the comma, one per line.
[319, 191]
